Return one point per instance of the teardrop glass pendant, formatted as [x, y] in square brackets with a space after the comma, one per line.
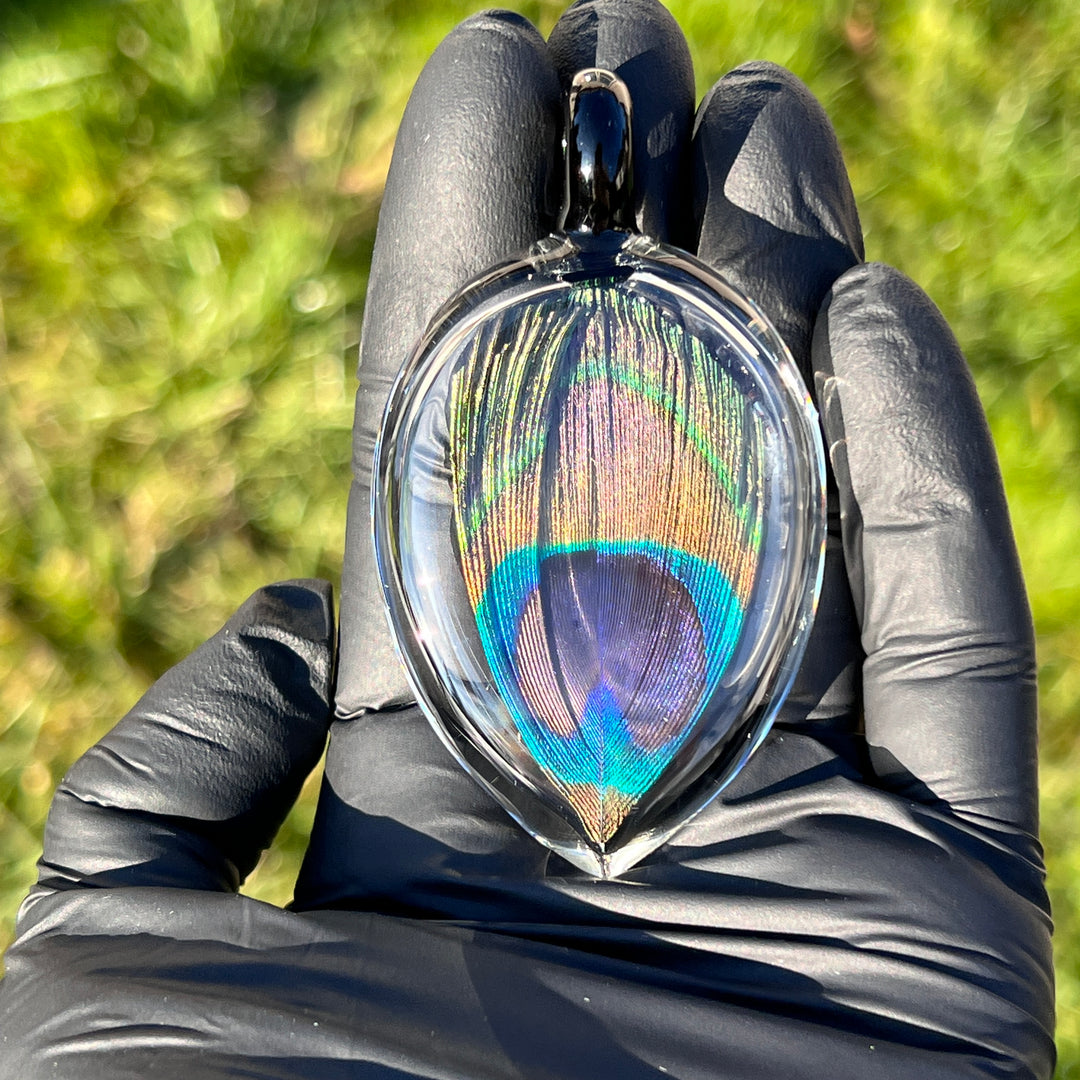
[599, 519]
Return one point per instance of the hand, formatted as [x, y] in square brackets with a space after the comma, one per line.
[865, 900]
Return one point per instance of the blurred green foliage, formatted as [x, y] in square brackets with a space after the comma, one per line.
[188, 197]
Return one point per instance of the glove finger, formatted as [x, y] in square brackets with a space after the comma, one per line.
[775, 209]
[949, 677]
[641, 42]
[468, 186]
[471, 183]
[190, 787]
[777, 218]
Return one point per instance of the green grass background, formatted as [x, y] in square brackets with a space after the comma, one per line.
[188, 197]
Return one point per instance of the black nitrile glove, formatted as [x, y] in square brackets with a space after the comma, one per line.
[865, 900]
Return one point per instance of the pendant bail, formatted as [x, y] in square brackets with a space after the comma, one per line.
[599, 165]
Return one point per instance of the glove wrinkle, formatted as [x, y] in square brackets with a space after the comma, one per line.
[336, 995]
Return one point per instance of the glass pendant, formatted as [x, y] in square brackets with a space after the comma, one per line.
[599, 519]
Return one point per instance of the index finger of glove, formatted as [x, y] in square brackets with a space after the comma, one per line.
[471, 183]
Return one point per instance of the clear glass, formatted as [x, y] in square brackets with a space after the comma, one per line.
[599, 523]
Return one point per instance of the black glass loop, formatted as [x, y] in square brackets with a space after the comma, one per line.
[599, 187]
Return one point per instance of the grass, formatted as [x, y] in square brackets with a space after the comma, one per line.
[188, 195]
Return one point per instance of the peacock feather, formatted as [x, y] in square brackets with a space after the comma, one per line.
[606, 494]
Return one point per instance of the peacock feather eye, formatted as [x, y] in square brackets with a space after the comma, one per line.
[599, 522]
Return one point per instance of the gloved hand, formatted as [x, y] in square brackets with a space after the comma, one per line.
[866, 899]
